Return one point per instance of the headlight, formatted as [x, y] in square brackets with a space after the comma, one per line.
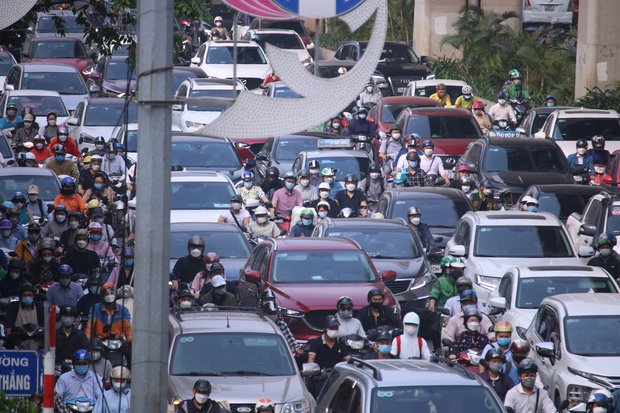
[88, 70]
[298, 406]
[108, 91]
[87, 138]
[112, 344]
[488, 283]
[426, 278]
[378, 79]
[578, 393]
[194, 125]
[287, 312]
[355, 345]
[431, 76]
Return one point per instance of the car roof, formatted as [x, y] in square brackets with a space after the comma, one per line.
[309, 134]
[427, 192]
[221, 321]
[339, 63]
[438, 112]
[273, 31]
[337, 153]
[587, 113]
[203, 83]
[202, 227]
[302, 244]
[408, 99]
[190, 137]
[57, 39]
[32, 92]
[520, 141]
[569, 189]
[543, 271]
[196, 70]
[48, 67]
[4, 172]
[198, 176]
[388, 43]
[434, 82]
[365, 223]
[548, 110]
[599, 304]
[245, 43]
[107, 101]
[514, 218]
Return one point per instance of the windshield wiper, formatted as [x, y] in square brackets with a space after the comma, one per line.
[386, 256]
[202, 373]
[247, 372]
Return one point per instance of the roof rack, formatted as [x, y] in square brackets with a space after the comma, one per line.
[179, 312]
[361, 363]
[453, 364]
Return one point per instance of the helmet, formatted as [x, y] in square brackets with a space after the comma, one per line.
[469, 295]
[514, 74]
[68, 309]
[67, 181]
[463, 280]
[94, 279]
[525, 365]
[323, 204]
[270, 307]
[414, 210]
[202, 386]
[304, 173]
[236, 198]
[6, 224]
[99, 140]
[15, 263]
[95, 227]
[261, 210]
[96, 158]
[59, 150]
[465, 180]
[603, 240]
[184, 293]
[81, 355]
[375, 291]
[327, 172]
[598, 142]
[81, 232]
[395, 127]
[34, 227]
[247, 176]
[47, 244]
[383, 335]
[485, 183]
[551, 97]
[324, 185]
[272, 172]
[520, 347]
[267, 294]
[503, 327]
[290, 175]
[196, 240]
[342, 70]
[363, 109]
[373, 167]
[350, 178]
[314, 164]
[601, 397]
[445, 262]
[110, 147]
[457, 263]
[11, 106]
[610, 237]
[495, 353]
[428, 142]
[501, 95]
[478, 105]
[581, 143]
[18, 197]
[120, 372]
[330, 321]
[413, 156]
[29, 287]
[62, 130]
[401, 177]
[471, 312]
[307, 213]
[107, 287]
[467, 90]
[93, 204]
[64, 269]
[441, 86]
[210, 258]
[39, 138]
[344, 300]
[13, 211]
[264, 405]
[30, 156]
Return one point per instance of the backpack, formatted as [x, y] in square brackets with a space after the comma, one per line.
[419, 344]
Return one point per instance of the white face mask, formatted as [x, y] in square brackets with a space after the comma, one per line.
[581, 151]
[314, 171]
[62, 138]
[33, 197]
[261, 220]
[599, 410]
[324, 194]
[304, 182]
[111, 156]
[428, 152]
[415, 221]
[47, 259]
[332, 333]
[195, 253]
[374, 175]
[61, 217]
[95, 167]
[411, 329]
[473, 326]
[81, 243]
[488, 192]
[185, 304]
[329, 180]
[236, 206]
[51, 122]
[218, 24]
[396, 136]
[351, 187]
[39, 145]
[109, 298]
[369, 89]
[201, 398]
[465, 188]
[502, 102]
[74, 224]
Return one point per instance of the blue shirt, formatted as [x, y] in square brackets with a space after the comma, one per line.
[588, 162]
[9, 243]
[110, 401]
[59, 296]
[6, 124]
[599, 157]
[69, 384]
[19, 232]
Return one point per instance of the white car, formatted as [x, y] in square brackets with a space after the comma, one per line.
[42, 101]
[6, 62]
[522, 289]
[99, 117]
[426, 88]
[575, 342]
[190, 117]
[283, 39]
[491, 242]
[216, 59]
[539, 12]
[567, 126]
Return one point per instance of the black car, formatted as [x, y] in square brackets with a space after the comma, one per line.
[560, 200]
[398, 63]
[112, 77]
[392, 245]
[512, 165]
[535, 120]
[182, 73]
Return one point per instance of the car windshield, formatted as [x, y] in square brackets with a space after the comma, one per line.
[223, 55]
[593, 335]
[442, 212]
[322, 267]
[47, 24]
[206, 154]
[573, 129]
[296, 26]
[562, 205]
[49, 187]
[397, 54]
[444, 127]
[118, 70]
[531, 291]
[178, 76]
[390, 111]
[41, 104]
[453, 91]
[613, 219]
[7, 153]
[65, 83]
[345, 165]
[227, 94]
[281, 40]
[59, 50]
[238, 354]
[539, 121]
[522, 241]
[434, 399]
[396, 244]
[201, 195]
[227, 244]
[288, 149]
[524, 159]
[109, 115]
[131, 145]
[285, 92]
[6, 63]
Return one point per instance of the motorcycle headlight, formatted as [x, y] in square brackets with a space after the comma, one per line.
[420, 282]
[378, 79]
[113, 344]
[83, 406]
[361, 138]
[298, 406]
[194, 125]
[396, 308]
[355, 345]
[578, 393]
[287, 312]
[488, 283]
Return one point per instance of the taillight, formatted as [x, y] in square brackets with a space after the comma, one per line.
[527, 5]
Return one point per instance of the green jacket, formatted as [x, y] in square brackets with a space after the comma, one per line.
[520, 92]
[488, 204]
[442, 290]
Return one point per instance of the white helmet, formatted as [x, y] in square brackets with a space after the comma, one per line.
[120, 372]
[467, 90]
[261, 210]
[29, 156]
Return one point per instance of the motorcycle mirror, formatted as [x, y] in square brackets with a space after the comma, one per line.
[447, 342]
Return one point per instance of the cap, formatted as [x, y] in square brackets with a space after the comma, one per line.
[501, 95]
[463, 168]
[33, 189]
[217, 281]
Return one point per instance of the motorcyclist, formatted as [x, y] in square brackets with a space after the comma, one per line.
[118, 398]
[481, 117]
[25, 134]
[236, 215]
[503, 334]
[287, 198]
[308, 192]
[249, 190]
[10, 284]
[68, 338]
[328, 175]
[80, 258]
[218, 294]
[463, 171]
[98, 364]
[98, 245]
[264, 406]
[322, 209]
[124, 274]
[186, 268]
[7, 240]
[441, 96]
[26, 310]
[67, 237]
[416, 177]
[201, 401]
[471, 337]
[36, 206]
[400, 161]
[375, 314]
[348, 323]
[351, 197]
[50, 130]
[324, 196]
[462, 283]
[65, 291]
[112, 164]
[99, 147]
[270, 310]
[551, 101]
[41, 151]
[391, 147]
[466, 100]
[336, 126]
[519, 349]
[607, 258]
[68, 197]
[272, 182]
[494, 377]
[19, 200]
[532, 204]
[598, 152]
[362, 126]
[327, 350]
[370, 95]
[18, 230]
[414, 215]
[516, 90]
[305, 226]
[483, 200]
[185, 300]
[432, 164]
[374, 184]
[28, 248]
[65, 140]
[12, 118]
[315, 177]
[458, 321]
[410, 345]
[79, 382]
[92, 297]
[60, 165]
[501, 110]
[97, 215]
[445, 286]
[383, 343]
[109, 317]
[600, 401]
[43, 268]
[525, 397]
[87, 176]
[582, 157]
[262, 226]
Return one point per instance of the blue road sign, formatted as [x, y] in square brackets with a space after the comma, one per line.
[319, 9]
[21, 372]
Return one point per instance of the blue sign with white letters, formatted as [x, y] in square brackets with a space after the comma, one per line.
[21, 372]
[320, 9]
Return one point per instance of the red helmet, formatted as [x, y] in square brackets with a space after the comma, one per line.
[519, 349]
[441, 86]
[478, 105]
[62, 130]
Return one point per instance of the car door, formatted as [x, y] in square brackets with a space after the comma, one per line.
[504, 290]
[591, 216]
[248, 291]
[341, 53]
[547, 329]
[347, 399]
[177, 114]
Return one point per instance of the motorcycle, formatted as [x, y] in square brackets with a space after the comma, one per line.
[521, 108]
[80, 404]
[114, 349]
[597, 179]
[470, 358]
[26, 337]
[502, 125]
[283, 221]
[358, 346]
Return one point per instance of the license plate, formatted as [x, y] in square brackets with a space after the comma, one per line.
[400, 89]
[549, 8]
[436, 268]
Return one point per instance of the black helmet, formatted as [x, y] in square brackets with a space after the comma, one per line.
[375, 291]
[383, 335]
[581, 143]
[471, 312]
[269, 307]
[373, 167]
[413, 156]
[469, 295]
[196, 240]
[59, 150]
[94, 279]
[495, 353]
[350, 178]
[527, 364]
[463, 280]
[598, 142]
[330, 321]
[99, 139]
[344, 301]
[202, 386]
[413, 210]
[273, 172]
[96, 344]
[26, 287]
[15, 263]
[184, 293]
[304, 173]
[314, 164]
[110, 147]
[267, 295]
[68, 309]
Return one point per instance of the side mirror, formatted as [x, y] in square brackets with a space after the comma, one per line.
[84, 150]
[521, 131]
[423, 59]
[250, 164]
[252, 276]
[587, 229]
[445, 311]
[540, 135]
[195, 61]
[498, 302]
[261, 156]
[72, 122]
[521, 332]
[81, 141]
[9, 87]
[457, 251]
[94, 89]
[546, 349]
[388, 275]
[310, 369]
[435, 253]
[473, 167]
[26, 54]
[578, 169]
[586, 251]
[177, 107]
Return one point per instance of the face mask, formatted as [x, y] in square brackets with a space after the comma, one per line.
[581, 151]
[314, 171]
[413, 164]
[62, 138]
[466, 97]
[248, 185]
[415, 221]
[60, 158]
[517, 82]
[396, 136]
[95, 167]
[478, 112]
[496, 367]
[81, 243]
[11, 112]
[550, 105]
[376, 306]
[532, 209]
[488, 192]
[110, 156]
[605, 252]
[27, 125]
[67, 321]
[185, 304]
[220, 290]
[261, 220]
[119, 387]
[528, 382]
[51, 122]
[306, 222]
[503, 341]
[411, 329]
[39, 146]
[99, 147]
[329, 180]
[465, 188]
[304, 182]
[109, 298]
[65, 282]
[201, 398]
[81, 370]
[473, 326]
[384, 348]
[351, 187]
[99, 220]
[195, 253]
[332, 333]
[6, 233]
[324, 194]
[218, 24]
[428, 152]
[14, 275]
[336, 125]
[33, 198]
[501, 101]
[19, 205]
[14, 220]
[98, 186]
[28, 301]
[369, 89]
[33, 237]
[95, 289]
[60, 217]
[128, 263]
[95, 237]
[74, 224]
[290, 185]
[362, 116]
[374, 175]
[236, 206]
[323, 214]
[346, 314]
[47, 259]
[599, 410]
[86, 166]
[95, 355]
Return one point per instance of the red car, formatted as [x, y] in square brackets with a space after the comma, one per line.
[386, 110]
[60, 50]
[247, 148]
[612, 172]
[308, 276]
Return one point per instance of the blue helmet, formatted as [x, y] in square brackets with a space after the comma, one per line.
[400, 178]
[81, 355]
[501, 95]
[602, 398]
[248, 176]
[485, 183]
[19, 195]
[67, 181]
[428, 142]
[527, 364]
[551, 97]
[65, 269]
[290, 175]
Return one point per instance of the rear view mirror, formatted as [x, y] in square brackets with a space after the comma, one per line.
[250, 164]
[9, 87]
[310, 369]
[94, 89]
[423, 59]
[521, 332]
[546, 349]
[578, 169]
[587, 230]
[72, 122]
[435, 252]
[388, 275]
[498, 302]
[521, 131]
[457, 251]
[177, 107]
[253, 276]
[586, 251]
[195, 61]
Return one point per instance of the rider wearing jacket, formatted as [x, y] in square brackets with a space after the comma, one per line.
[362, 126]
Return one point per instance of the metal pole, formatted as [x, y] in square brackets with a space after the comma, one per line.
[150, 331]
[235, 58]
[316, 48]
[49, 359]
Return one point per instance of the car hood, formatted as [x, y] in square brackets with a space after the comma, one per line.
[405, 268]
[79, 64]
[397, 69]
[600, 366]
[205, 116]
[195, 215]
[225, 71]
[119, 85]
[526, 179]
[71, 101]
[233, 174]
[306, 297]
[497, 267]
[283, 165]
[279, 389]
[94, 131]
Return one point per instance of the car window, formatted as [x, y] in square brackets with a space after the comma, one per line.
[346, 165]
[522, 241]
[524, 159]
[284, 92]
[7, 153]
[48, 185]
[268, 146]
[47, 24]
[347, 398]
[205, 154]
[78, 112]
[257, 258]
[340, 54]
[201, 52]
[443, 127]
[109, 115]
[201, 195]
[573, 129]
[210, 93]
[281, 40]
[59, 50]
[390, 111]
[613, 219]
[463, 235]
[473, 155]
[593, 212]
[119, 69]
[67, 83]
[393, 243]
[182, 91]
[322, 267]
[532, 291]
[288, 149]
[397, 53]
[296, 26]
[562, 205]
[263, 266]
[547, 324]
[446, 212]
[352, 54]
[227, 244]
[538, 122]
[505, 289]
[41, 104]
[612, 166]
[5, 64]
[223, 55]
[593, 335]
[11, 77]
[453, 91]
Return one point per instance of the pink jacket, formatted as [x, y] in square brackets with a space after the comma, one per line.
[103, 249]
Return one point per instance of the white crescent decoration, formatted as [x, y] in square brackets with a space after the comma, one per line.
[13, 10]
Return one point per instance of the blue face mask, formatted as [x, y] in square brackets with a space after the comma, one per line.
[98, 186]
[60, 158]
[81, 370]
[28, 300]
[95, 290]
[413, 164]
[248, 184]
[532, 209]
[362, 116]
[95, 237]
[550, 105]
[384, 348]
[290, 186]
[503, 341]
[322, 214]
[306, 222]
[127, 263]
